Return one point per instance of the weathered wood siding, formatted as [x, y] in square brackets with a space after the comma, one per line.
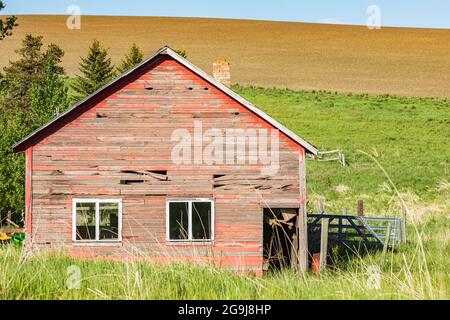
[130, 130]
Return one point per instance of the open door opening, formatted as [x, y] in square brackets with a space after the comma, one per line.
[280, 239]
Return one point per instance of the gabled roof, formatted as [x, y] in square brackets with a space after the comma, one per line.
[29, 140]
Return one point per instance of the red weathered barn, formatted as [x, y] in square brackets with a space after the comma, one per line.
[167, 163]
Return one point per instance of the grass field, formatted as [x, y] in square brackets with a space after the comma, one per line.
[414, 271]
[408, 138]
[407, 62]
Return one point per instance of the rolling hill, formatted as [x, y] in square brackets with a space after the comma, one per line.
[401, 61]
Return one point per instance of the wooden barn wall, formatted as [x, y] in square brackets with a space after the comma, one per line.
[131, 130]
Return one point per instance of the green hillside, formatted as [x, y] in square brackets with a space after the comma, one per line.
[410, 137]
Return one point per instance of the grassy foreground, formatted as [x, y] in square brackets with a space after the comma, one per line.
[409, 273]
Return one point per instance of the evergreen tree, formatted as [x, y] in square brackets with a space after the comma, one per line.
[7, 25]
[31, 67]
[34, 91]
[133, 58]
[181, 52]
[96, 70]
[12, 166]
[2, 86]
[49, 97]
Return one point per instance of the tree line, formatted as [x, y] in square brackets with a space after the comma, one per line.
[33, 90]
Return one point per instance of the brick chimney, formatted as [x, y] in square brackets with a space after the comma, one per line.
[222, 72]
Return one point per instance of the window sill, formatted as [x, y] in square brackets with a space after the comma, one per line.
[97, 244]
[190, 243]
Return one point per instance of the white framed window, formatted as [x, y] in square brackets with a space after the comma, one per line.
[190, 220]
[96, 220]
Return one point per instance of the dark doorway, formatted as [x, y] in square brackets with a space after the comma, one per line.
[280, 238]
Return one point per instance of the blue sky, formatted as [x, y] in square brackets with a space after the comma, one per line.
[403, 13]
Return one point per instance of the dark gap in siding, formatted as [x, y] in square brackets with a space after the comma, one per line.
[161, 172]
[160, 175]
[263, 187]
[131, 182]
[218, 185]
[132, 172]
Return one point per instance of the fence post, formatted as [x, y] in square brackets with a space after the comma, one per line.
[387, 239]
[302, 233]
[342, 159]
[321, 206]
[324, 243]
[360, 212]
[360, 208]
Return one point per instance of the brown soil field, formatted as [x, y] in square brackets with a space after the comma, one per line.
[401, 61]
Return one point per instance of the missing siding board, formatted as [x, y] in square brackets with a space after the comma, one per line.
[100, 115]
[131, 182]
[160, 175]
[161, 172]
[255, 182]
[132, 172]
[218, 185]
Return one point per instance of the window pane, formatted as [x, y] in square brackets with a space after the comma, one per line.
[109, 221]
[178, 221]
[85, 221]
[201, 221]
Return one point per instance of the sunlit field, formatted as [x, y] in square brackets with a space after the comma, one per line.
[402, 61]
